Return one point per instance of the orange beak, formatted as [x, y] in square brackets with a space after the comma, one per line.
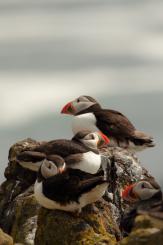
[103, 139]
[61, 170]
[68, 109]
[127, 193]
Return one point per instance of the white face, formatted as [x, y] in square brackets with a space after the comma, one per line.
[81, 103]
[48, 169]
[144, 190]
[91, 140]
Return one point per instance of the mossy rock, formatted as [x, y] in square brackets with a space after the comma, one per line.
[5, 239]
[25, 219]
[147, 221]
[61, 228]
[147, 231]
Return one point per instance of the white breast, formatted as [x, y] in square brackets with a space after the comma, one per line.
[85, 121]
[90, 163]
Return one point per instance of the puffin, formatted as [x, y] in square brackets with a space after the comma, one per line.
[88, 114]
[145, 197]
[81, 152]
[67, 189]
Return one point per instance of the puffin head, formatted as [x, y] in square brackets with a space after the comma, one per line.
[141, 190]
[52, 165]
[91, 139]
[79, 105]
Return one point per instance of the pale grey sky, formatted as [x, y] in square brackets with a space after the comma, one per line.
[52, 51]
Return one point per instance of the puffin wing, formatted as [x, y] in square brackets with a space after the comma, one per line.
[114, 123]
[73, 159]
[31, 156]
[61, 188]
[88, 184]
[61, 147]
[67, 187]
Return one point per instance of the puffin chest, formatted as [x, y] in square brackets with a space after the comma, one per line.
[90, 163]
[85, 121]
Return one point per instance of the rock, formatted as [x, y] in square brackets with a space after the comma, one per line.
[97, 224]
[147, 231]
[5, 239]
[25, 210]
[125, 169]
[18, 180]
[93, 226]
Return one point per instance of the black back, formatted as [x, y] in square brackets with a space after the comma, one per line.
[61, 147]
[114, 123]
[70, 185]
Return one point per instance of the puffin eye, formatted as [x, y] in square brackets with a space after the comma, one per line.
[143, 185]
[91, 137]
[78, 100]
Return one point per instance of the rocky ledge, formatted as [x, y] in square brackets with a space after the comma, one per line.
[98, 224]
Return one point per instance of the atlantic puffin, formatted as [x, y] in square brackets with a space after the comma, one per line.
[88, 114]
[67, 189]
[81, 152]
[145, 197]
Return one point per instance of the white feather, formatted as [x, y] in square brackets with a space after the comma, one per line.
[90, 163]
[85, 121]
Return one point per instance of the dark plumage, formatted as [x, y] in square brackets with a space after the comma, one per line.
[62, 147]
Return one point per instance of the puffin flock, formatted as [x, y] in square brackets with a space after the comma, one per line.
[73, 173]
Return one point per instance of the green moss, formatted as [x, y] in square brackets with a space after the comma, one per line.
[61, 228]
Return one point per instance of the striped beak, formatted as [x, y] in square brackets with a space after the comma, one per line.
[103, 139]
[128, 194]
[68, 109]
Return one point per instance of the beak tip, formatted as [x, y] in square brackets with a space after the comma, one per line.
[62, 111]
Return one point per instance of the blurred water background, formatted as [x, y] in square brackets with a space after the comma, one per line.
[54, 51]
